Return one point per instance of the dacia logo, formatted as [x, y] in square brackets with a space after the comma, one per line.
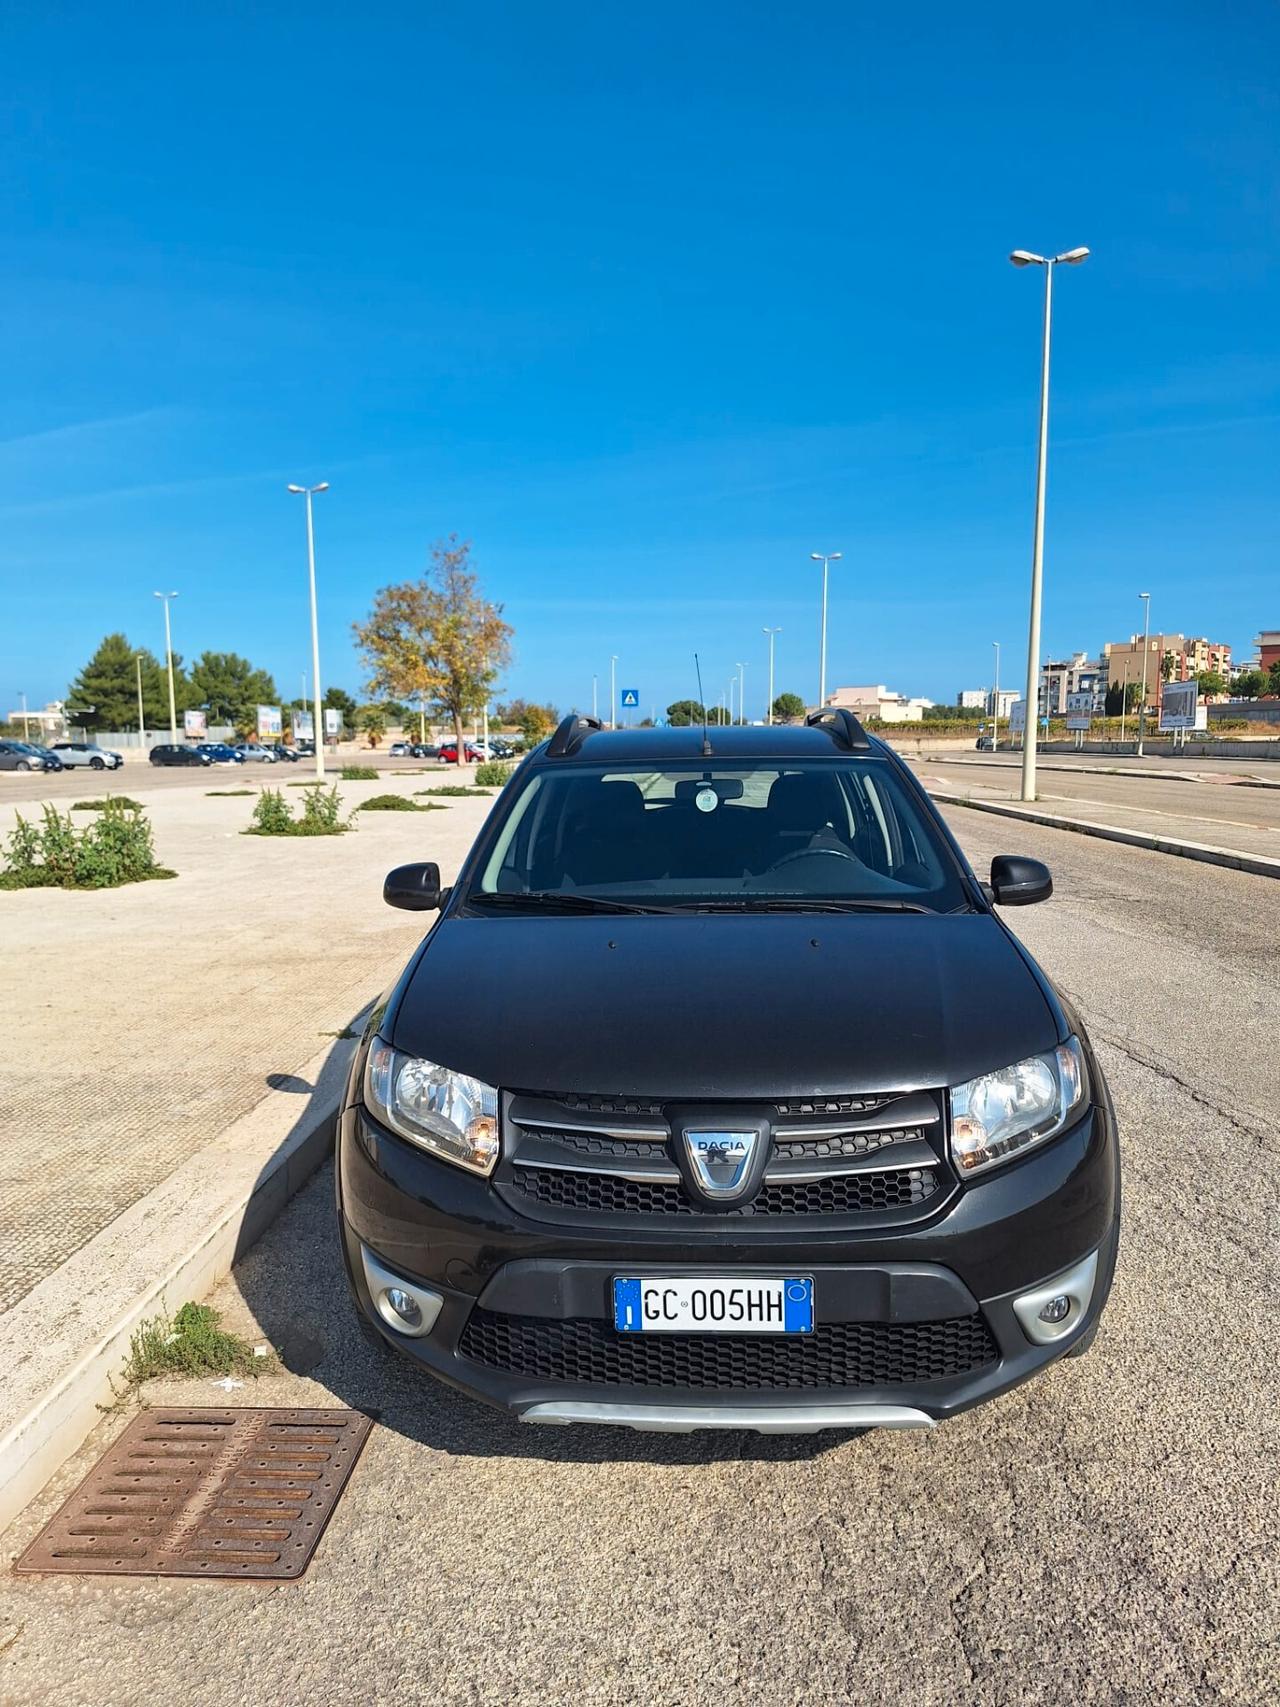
[720, 1160]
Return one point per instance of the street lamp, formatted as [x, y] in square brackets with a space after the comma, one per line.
[768, 710]
[142, 722]
[1146, 647]
[595, 698]
[826, 559]
[995, 702]
[613, 691]
[742, 694]
[1024, 258]
[168, 653]
[317, 698]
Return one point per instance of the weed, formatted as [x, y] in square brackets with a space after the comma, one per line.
[358, 773]
[116, 848]
[455, 789]
[230, 793]
[273, 816]
[394, 803]
[101, 805]
[493, 774]
[342, 1035]
[192, 1343]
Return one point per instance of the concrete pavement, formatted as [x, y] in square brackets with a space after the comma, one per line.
[1108, 1533]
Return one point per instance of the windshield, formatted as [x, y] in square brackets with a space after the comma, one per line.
[711, 833]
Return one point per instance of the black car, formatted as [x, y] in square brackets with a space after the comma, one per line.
[169, 754]
[720, 1095]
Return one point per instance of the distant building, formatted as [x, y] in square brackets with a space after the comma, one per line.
[50, 724]
[974, 699]
[983, 699]
[1077, 674]
[1268, 644]
[1190, 658]
[879, 701]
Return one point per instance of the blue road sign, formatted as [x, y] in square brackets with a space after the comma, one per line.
[630, 699]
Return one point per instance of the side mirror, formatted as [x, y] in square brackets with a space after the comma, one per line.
[1017, 882]
[416, 888]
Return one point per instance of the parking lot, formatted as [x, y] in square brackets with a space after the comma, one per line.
[1108, 1533]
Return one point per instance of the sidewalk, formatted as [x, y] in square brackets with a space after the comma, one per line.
[145, 1024]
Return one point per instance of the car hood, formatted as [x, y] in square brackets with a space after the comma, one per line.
[723, 1005]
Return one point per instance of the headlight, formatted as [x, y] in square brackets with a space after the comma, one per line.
[999, 1115]
[451, 1114]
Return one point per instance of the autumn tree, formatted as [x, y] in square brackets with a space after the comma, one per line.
[437, 639]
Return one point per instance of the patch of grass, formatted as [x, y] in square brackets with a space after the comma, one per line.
[115, 848]
[457, 789]
[394, 803]
[231, 793]
[358, 773]
[493, 774]
[101, 805]
[273, 816]
[193, 1343]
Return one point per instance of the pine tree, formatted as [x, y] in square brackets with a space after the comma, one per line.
[109, 683]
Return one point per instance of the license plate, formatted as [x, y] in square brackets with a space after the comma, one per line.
[710, 1304]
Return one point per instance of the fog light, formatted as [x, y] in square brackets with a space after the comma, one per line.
[1054, 1310]
[403, 1305]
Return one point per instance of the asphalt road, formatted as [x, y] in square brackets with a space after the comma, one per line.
[1108, 1533]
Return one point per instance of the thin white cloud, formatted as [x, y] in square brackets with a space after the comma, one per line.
[70, 430]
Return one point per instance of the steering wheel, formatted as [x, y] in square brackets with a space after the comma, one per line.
[812, 853]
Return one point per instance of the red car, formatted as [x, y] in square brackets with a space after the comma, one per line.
[448, 755]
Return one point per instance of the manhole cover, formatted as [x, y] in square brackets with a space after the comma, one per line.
[194, 1493]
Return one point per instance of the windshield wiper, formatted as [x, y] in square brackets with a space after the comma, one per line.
[819, 904]
[568, 901]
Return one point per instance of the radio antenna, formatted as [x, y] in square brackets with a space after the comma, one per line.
[706, 739]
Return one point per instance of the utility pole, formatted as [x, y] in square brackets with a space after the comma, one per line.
[826, 559]
[168, 653]
[742, 694]
[317, 697]
[613, 691]
[995, 704]
[1146, 647]
[142, 722]
[768, 710]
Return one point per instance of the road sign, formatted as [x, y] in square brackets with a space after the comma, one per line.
[1180, 706]
[1080, 712]
[630, 699]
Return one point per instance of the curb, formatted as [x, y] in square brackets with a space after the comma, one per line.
[55, 1419]
[1257, 865]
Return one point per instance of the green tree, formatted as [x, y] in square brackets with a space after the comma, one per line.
[1167, 664]
[1273, 678]
[373, 720]
[438, 637]
[684, 712]
[231, 689]
[1211, 682]
[1122, 695]
[109, 683]
[788, 705]
[1249, 684]
[537, 721]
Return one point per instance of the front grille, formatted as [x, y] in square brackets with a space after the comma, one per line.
[836, 1354]
[597, 1144]
[608, 1105]
[843, 1143]
[837, 1194]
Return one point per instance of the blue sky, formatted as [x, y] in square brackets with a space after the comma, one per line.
[648, 303]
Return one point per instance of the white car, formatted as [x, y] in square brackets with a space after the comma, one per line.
[73, 753]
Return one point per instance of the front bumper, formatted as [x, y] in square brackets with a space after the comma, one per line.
[944, 1283]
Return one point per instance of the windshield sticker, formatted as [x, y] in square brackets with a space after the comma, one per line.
[706, 800]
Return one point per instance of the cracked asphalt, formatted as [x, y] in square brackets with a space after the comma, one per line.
[1108, 1533]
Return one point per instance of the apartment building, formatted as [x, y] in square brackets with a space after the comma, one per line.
[879, 701]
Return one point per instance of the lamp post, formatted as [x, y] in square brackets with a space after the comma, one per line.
[742, 693]
[995, 702]
[26, 731]
[142, 721]
[826, 559]
[168, 653]
[317, 698]
[613, 691]
[1146, 647]
[595, 698]
[1024, 258]
[1124, 697]
[768, 710]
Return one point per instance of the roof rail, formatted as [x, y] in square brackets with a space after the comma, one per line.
[570, 735]
[842, 725]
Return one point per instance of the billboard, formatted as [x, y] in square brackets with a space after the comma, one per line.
[269, 722]
[1180, 706]
[195, 723]
[304, 727]
[1080, 711]
[332, 723]
[1018, 716]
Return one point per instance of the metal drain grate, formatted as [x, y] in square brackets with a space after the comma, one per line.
[196, 1493]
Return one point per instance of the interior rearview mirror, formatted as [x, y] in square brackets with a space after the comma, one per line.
[416, 888]
[1018, 882]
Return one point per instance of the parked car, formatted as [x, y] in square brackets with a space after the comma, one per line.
[250, 753]
[502, 749]
[52, 760]
[20, 756]
[168, 754]
[76, 753]
[719, 1176]
[448, 754]
[287, 755]
[400, 750]
[220, 752]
